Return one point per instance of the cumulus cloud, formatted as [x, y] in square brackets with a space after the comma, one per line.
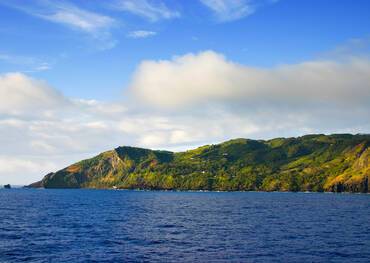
[149, 9]
[209, 77]
[23, 95]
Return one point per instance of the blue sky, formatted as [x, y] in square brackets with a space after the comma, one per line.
[81, 77]
[99, 67]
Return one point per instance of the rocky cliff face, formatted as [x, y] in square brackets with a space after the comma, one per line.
[100, 170]
[104, 170]
[309, 163]
[355, 178]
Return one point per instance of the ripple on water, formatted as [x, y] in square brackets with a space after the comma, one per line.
[111, 226]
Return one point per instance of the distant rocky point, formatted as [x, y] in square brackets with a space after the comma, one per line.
[335, 163]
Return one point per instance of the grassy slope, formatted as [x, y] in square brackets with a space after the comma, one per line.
[309, 163]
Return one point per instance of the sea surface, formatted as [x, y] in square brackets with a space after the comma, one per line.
[38, 225]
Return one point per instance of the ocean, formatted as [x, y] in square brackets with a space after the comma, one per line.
[59, 225]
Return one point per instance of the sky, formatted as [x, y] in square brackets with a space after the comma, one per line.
[81, 77]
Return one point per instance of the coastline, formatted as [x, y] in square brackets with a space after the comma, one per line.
[189, 191]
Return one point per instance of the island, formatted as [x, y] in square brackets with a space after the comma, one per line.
[317, 162]
[7, 186]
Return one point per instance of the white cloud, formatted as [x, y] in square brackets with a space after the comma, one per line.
[209, 77]
[141, 34]
[22, 170]
[77, 18]
[30, 64]
[9, 165]
[23, 95]
[42, 67]
[149, 9]
[230, 10]
[97, 26]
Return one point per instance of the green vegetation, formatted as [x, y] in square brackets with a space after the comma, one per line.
[338, 163]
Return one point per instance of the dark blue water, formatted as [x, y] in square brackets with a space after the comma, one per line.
[117, 226]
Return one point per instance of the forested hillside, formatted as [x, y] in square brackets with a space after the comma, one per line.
[337, 163]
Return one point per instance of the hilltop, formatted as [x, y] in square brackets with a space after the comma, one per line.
[336, 163]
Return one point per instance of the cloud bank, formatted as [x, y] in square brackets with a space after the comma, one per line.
[176, 104]
[205, 77]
